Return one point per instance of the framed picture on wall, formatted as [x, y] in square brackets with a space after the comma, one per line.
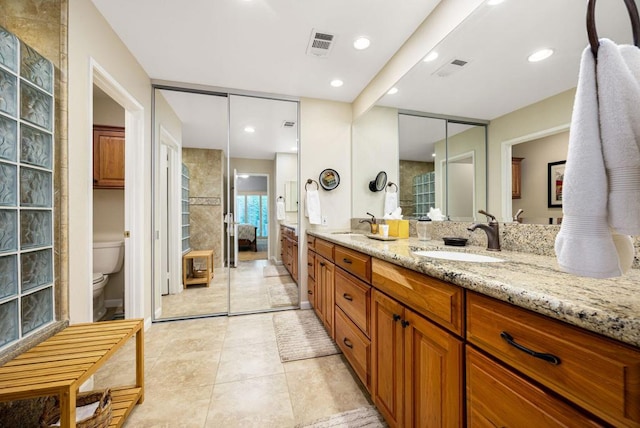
[555, 181]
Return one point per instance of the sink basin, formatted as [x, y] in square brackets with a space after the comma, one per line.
[459, 257]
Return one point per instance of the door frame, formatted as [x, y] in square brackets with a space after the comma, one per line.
[134, 194]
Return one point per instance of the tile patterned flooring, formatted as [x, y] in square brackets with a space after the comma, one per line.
[226, 372]
[249, 292]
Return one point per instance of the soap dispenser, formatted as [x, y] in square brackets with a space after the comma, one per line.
[423, 229]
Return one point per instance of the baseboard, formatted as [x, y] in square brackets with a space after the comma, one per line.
[113, 303]
[147, 323]
[305, 305]
[158, 313]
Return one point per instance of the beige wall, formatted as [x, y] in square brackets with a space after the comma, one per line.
[325, 142]
[91, 37]
[374, 148]
[523, 124]
[206, 200]
[537, 155]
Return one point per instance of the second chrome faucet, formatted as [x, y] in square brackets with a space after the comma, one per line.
[492, 230]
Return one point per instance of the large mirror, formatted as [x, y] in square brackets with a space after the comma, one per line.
[222, 163]
[481, 71]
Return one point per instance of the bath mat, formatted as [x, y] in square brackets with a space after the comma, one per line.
[283, 294]
[359, 418]
[301, 335]
[272, 270]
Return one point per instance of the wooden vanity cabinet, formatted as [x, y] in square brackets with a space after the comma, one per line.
[311, 277]
[324, 285]
[417, 376]
[289, 250]
[595, 373]
[108, 157]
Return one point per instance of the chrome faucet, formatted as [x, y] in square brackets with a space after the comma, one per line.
[372, 222]
[517, 217]
[492, 230]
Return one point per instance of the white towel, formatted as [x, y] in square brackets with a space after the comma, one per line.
[390, 202]
[312, 207]
[280, 215]
[585, 244]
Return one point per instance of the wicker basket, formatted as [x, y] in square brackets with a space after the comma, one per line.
[101, 418]
[199, 273]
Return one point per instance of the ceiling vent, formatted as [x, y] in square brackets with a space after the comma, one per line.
[451, 67]
[288, 124]
[320, 43]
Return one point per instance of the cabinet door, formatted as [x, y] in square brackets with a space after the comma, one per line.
[496, 397]
[387, 358]
[294, 261]
[311, 291]
[319, 291]
[432, 375]
[329, 298]
[516, 178]
[108, 157]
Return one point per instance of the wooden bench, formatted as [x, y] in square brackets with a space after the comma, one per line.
[62, 363]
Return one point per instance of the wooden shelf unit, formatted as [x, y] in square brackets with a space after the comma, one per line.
[187, 267]
[62, 363]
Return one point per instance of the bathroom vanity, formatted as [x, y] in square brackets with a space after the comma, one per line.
[452, 343]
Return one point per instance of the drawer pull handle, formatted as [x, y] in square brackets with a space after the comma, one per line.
[347, 297]
[547, 357]
[404, 323]
[310, 264]
[322, 264]
[396, 317]
[309, 292]
[347, 261]
[347, 343]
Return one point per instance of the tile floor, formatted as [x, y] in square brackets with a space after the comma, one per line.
[250, 292]
[226, 372]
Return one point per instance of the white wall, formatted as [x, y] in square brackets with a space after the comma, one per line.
[91, 37]
[325, 142]
[374, 149]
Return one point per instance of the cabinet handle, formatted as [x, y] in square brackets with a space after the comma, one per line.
[347, 343]
[404, 323]
[396, 317]
[322, 264]
[347, 261]
[309, 292]
[347, 297]
[309, 264]
[547, 357]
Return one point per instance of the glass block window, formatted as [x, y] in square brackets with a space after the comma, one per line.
[424, 193]
[26, 190]
[186, 245]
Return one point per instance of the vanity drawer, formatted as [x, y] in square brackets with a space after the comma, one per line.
[354, 298]
[325, 249]
[497, 397]
[355, 346]
[311, 264]
[353, 262]
[436, 300]
[311, 242]
[595, 372]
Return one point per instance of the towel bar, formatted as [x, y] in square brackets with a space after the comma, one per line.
[591, 24]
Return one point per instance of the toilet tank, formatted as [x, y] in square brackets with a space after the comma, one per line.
[108, 256]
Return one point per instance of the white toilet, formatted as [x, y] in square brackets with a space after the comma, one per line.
[108, 258]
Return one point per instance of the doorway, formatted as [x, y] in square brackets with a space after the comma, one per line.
[232, 150]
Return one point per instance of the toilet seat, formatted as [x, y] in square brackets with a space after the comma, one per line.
[97, 277]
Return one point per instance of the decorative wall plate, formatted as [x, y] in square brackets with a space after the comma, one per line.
[329, 179]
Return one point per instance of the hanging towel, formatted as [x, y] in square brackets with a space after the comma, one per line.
[618, 75]
[280, 215]
[586, 244]
[390, 202]
[312, 207]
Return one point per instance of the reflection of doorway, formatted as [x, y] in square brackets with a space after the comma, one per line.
[170, 214]
[461, 185]
[252, 215]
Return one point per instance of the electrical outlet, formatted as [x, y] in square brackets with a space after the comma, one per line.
[324, 220]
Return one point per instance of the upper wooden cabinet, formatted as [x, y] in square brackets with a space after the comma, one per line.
[516, 180]
[108, 157]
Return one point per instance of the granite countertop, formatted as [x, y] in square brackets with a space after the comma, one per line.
[610, 307]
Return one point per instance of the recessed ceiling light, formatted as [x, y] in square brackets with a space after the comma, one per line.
[249, 129]
[431, 56]
[392, 91]
[336, 83]
[361, 43]
[540, 55]
[494, 2]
